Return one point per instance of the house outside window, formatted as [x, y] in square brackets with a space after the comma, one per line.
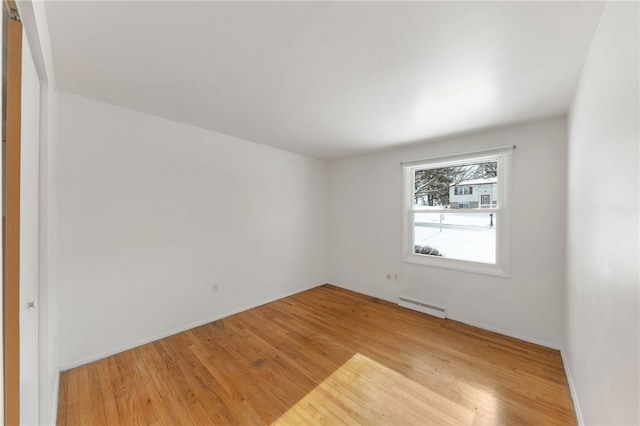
[474, 193]
[456, 211]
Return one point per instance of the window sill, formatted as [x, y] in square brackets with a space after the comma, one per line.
[458, 265]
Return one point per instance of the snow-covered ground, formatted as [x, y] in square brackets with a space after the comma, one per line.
[461, 236]
[481, 220]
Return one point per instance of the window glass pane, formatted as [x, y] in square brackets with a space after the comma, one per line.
[469, 236]
[467, 186]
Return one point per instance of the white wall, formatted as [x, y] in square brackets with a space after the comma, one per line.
[365, 234]
[602, 346]
[152, 213]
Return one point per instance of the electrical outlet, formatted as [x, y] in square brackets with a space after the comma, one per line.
[214, 288]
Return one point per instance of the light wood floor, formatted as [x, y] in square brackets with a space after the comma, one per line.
[325, 356]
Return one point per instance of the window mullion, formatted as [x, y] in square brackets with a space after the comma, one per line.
[456, 211]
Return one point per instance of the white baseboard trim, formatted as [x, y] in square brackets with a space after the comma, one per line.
[177, 330]
[572, 388]
[366, 293]
[505, 332]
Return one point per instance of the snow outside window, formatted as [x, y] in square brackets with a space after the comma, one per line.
[456, 211]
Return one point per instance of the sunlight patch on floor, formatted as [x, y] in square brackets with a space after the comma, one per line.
[371, 393]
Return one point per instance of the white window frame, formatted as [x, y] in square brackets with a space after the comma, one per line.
[502, 210]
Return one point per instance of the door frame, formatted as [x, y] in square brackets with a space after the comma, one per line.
[11, 224]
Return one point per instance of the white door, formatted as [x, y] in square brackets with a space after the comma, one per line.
[29, 177]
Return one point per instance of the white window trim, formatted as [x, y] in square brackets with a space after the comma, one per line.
[502, 267]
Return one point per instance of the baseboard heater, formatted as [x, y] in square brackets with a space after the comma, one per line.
[425, 308]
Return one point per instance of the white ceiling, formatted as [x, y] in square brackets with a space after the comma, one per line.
[326, 79]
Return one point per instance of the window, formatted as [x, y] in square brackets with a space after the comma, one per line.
[456, 211]
[463, 190]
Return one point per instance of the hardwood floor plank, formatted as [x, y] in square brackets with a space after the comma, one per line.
[239, 411]
[161, 378]
[324, 356]
[179, 378]
[63, 395]
[110, 409]
[164, 401]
